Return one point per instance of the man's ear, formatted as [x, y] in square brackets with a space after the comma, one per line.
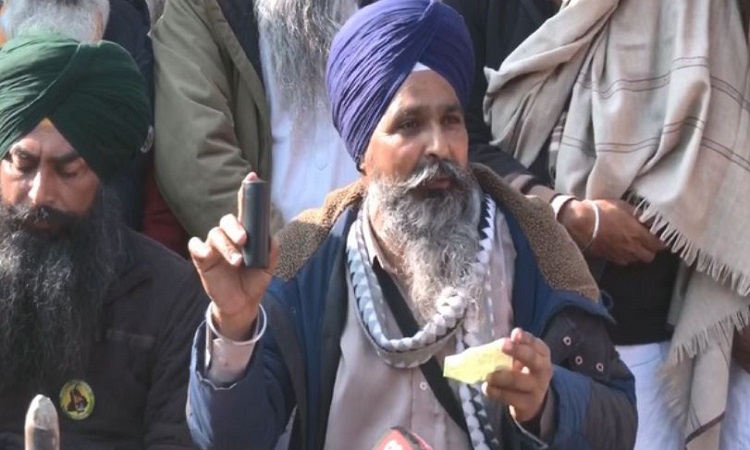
[362, 169]
[362, 164]
[365, 162]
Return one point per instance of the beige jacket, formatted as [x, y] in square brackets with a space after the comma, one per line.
[212, 117]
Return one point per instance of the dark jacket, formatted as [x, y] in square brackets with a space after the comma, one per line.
[128, 26]
[296, 362]
[641, 292]
[138, 370]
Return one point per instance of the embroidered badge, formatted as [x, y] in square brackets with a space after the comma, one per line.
[77, 399]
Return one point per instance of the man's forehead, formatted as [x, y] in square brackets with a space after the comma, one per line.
[425, 89]
[23, 149]
[45, 141]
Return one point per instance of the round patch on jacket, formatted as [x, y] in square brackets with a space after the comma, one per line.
[77, 399]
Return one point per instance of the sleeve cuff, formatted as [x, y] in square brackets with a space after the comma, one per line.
[558, 202]
[547, 424]
[541, 430]
[226, 359]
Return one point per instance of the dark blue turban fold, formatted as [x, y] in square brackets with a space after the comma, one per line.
[377, 49]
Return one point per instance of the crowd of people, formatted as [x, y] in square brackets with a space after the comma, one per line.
[564, 178]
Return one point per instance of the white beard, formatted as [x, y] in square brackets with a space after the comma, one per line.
[299, 35]
[437, 238]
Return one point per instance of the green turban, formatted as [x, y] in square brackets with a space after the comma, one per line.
[93, 94]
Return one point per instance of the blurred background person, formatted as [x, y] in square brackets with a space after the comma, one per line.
[239, 88]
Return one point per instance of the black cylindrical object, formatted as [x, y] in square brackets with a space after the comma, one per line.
[256, 218]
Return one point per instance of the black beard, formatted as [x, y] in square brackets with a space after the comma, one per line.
[52, 286]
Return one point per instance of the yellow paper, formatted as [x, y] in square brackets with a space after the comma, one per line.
[474, 364]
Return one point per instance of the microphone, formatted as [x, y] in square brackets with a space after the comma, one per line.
[398, 438]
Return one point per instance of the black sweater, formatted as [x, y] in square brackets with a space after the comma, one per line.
[641, 292]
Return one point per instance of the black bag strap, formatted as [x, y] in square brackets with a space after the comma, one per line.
[409, 327]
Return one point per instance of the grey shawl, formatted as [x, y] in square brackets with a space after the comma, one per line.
[651, 101]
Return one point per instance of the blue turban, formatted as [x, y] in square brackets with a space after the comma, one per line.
[377, 49]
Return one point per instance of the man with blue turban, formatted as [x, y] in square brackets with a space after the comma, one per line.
[423, 258]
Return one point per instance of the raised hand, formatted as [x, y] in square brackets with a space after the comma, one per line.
[235, 290]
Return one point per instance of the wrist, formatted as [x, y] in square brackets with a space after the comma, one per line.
[533, 424]
[578, 218]
[595, 231]
[237, 326]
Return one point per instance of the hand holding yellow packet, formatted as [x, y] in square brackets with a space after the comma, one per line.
[474, 364]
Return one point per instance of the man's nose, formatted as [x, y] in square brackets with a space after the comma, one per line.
[43, 189]
[438, 143]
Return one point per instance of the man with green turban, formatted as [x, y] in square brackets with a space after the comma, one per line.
[93, 94]
[92, 315]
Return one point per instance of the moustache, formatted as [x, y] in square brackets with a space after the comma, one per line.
[432, 170]
[43, 215]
